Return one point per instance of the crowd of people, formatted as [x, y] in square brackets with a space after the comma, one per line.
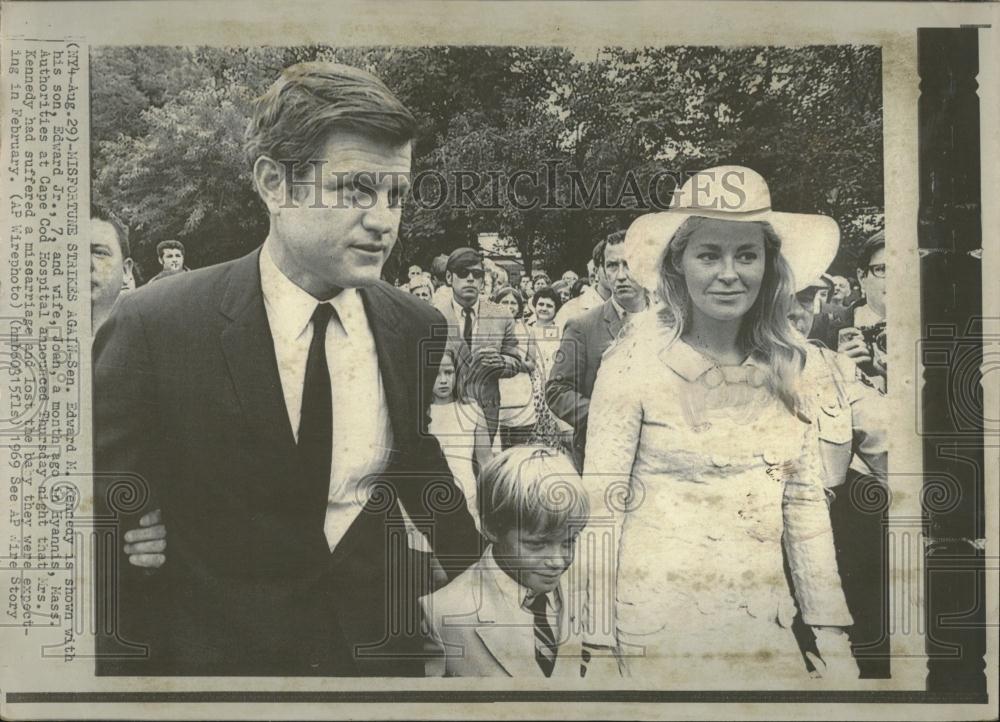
[652, 464]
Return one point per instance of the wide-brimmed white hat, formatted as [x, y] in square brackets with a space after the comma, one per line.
[809, 241]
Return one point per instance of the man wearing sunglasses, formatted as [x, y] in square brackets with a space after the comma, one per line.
[864, 340]
[482, 334]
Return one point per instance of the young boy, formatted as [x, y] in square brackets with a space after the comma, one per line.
[511, 614]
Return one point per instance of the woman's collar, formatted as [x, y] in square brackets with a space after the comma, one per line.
[691, 364]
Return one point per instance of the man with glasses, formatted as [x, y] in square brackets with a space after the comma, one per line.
[482, 334]
[864, 339]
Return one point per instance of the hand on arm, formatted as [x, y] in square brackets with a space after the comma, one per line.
[147, 545]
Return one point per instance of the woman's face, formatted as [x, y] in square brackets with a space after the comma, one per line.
[422, 292]
[723, 268]
[565, 294]
[445, 383]
[545, 309]
[510, 303]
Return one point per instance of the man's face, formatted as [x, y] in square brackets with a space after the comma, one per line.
[525, 284]
[466, 284]
[841, 289]
[341, 238]
[602, 281]
[593, 273]
[172, 259]
[107, 268]
[616, 271]
[872, 282]
[804, 309]
[414, 272]
[538, 561]
[570, 277]
[540, 282]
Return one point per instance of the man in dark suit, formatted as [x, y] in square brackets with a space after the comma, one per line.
[586, 338]
[275, 408]
[482, 334]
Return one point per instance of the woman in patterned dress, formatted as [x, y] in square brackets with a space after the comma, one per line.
[702, 460]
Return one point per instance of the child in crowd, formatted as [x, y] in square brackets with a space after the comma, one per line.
[460, 428]
[512, 613]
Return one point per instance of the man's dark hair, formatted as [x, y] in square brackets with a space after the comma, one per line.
[868, 250]
[291, 121]
[121, 230]
[165, 245]
[578, 285]
[612, 239]
[550, 293]
[439, 266]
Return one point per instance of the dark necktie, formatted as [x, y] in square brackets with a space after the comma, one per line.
[467, 329]
[545, 641]
[316, 419]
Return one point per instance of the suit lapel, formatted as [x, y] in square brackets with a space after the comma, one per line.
[249, 352]
[612, 321]
[394, 359]
[505, 629]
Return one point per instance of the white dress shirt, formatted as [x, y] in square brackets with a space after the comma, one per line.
[362, 435]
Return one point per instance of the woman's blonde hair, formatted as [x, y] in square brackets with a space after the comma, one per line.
[766, 332]
[534, 489]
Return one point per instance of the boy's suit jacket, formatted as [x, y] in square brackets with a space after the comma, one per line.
[480, 629]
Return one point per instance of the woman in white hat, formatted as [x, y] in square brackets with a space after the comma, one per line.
[702, 454]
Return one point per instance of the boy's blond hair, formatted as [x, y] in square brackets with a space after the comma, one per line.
[532, 488]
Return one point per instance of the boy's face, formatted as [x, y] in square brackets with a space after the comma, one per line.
[537, 560]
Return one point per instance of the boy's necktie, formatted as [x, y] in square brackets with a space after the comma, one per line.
[545, 641]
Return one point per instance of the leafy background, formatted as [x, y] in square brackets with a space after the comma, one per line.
[167, 129]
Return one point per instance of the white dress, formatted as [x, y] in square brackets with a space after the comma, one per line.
[454, 426]
[696, 472]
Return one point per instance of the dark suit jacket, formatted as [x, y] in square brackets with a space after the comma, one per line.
[571, 382]
[495, 329]
[189, 413]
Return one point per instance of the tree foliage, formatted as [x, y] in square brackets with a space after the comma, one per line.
[168, 123]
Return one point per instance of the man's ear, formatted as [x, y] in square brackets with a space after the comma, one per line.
[269, 180]
[448, 275]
